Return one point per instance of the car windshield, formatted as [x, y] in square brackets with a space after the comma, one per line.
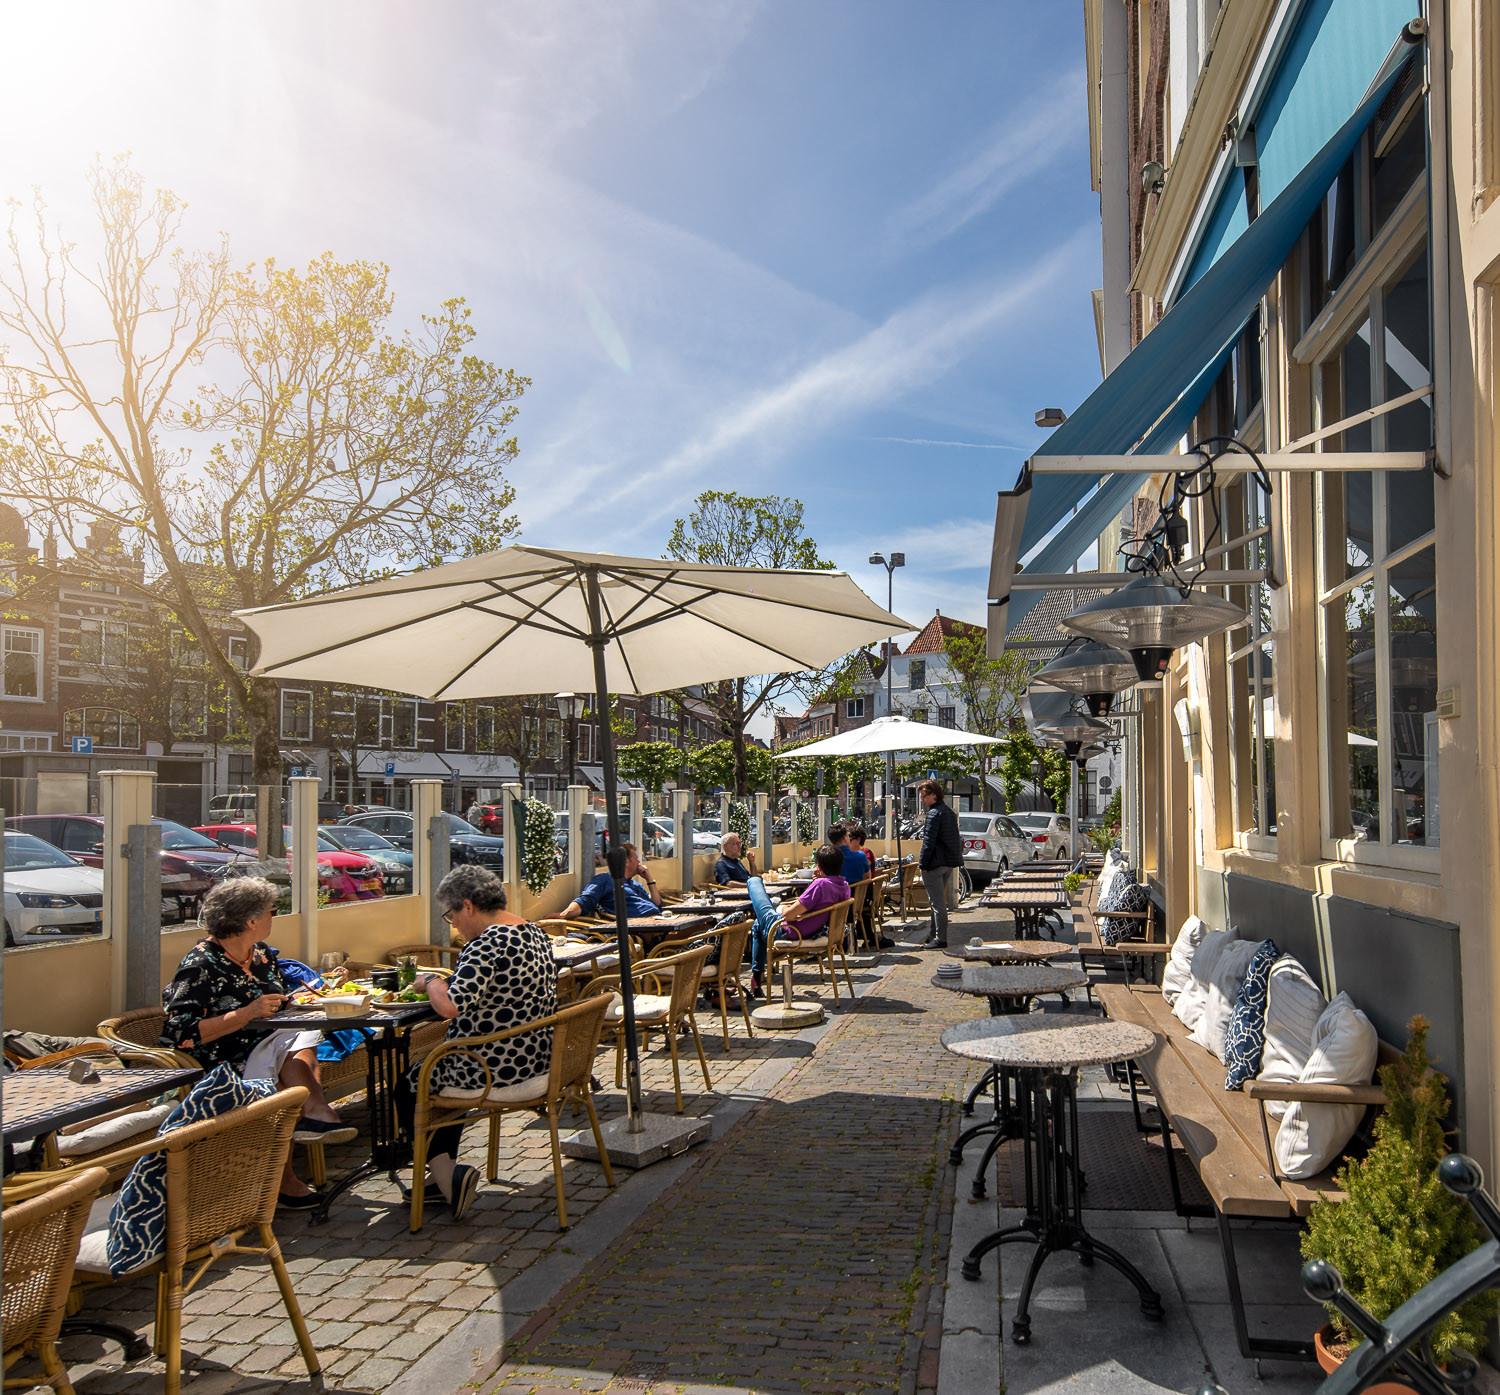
[664, 825]
[26, 853]
[458, 825]
[707, 826]
[351, 836]
[176, 838]
[1033, 820]
[974, 823]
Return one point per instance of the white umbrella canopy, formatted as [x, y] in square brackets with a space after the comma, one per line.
[887, 734]
[519, 621]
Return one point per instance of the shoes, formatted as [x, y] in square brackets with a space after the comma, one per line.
[885, 942]
[323, 1131]
[933, 941]
[432, 1194]
[308, 1201]
[756, 991]
[465, 1188]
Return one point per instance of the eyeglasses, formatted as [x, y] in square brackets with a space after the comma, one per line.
[447, 917]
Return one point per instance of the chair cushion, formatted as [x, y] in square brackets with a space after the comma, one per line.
[1345, 1048]
[646, 1005]
[1123, 896]
[1223, 988]
[522, 1092]
[113, 1133]
[1188, 1009]
[1245, 1037]
[1178, 971]
[1293, 1005]
[93, 1245]
[821, 942]
[138, 1219]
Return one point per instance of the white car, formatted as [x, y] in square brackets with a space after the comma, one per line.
[992, 843]
[661, 838]
[48, 895]
[1049, 833]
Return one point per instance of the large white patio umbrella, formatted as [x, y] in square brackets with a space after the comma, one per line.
[883, 736]
[528, 620]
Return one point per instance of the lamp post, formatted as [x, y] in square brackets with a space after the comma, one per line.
[570, 707]
[897, 559]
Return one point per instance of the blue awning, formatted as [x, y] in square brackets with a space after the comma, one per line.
[1150, 399]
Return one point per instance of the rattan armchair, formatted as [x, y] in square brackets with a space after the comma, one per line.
[732, 941]
[667, 1012]
[439, 958]
[41, 1243]
[222, 1179]
[575, 1038]
[827, 949]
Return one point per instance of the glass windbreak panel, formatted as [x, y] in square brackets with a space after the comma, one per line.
[1408, 365]
[1394, 172]
[1413, 692]
[1354, 770]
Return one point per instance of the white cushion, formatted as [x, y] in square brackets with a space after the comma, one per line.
[1178, 972]
[646, 1005]
[1111, 873]
[820, 943]
[93, 1246]
[1188, 1008]
[1223, 988]
[1294, 1003]
[112, 1133]
[1344, 1052]
[522, 1092]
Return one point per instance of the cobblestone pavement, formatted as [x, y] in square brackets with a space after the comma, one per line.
[801, 1254]
[823, 1200]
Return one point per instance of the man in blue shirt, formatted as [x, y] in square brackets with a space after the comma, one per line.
[731, 867]
[856, 864]
[598, 897]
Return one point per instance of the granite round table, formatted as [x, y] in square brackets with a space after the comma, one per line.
[1011, 951]
[1046, 1053]
[1010, 988]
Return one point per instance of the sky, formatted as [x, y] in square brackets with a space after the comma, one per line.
[840, 251]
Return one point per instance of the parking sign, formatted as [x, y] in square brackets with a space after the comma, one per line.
[82, 745]
[390, 768]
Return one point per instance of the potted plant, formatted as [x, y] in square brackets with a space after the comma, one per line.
[1398, 1227]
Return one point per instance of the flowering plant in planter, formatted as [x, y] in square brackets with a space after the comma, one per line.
[538, 845]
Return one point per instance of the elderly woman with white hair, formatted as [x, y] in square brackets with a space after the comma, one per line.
[227, 982]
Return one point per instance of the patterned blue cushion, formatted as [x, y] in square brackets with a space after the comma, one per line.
[1122, 896]
[138, 1219]
[1245, 1037]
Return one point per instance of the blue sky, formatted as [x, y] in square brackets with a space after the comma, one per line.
[840, 250]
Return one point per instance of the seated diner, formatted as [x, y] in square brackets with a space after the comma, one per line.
[598, 897]
[231, 980]
[804, 919]
[734, 864]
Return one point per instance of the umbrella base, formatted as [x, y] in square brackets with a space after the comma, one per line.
[662, 1136]
[788, 1016]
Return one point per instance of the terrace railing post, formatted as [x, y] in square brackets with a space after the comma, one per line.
[636, 832]
[125, 799]
[303, 856]
[823, 820]
[431, 852]
[762, 831]
[143, 923]
[682, 821]
[580, 837]
[724, 802]
[795, 834]
[511, 798]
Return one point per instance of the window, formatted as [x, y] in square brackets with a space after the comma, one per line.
[107, 727]
[553, 747]
[296, 714]
[25, 741]
[398, 723]
[188, 652]
[237, 647]
[854, 708]
[188, 716]
[585, 744]
[20, 662]
[1377, 582]
[104, 643]
[453, 726]
[484, 730]
[919, 714]
[948, 717]
[917, 674]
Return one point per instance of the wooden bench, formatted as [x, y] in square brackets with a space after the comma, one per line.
[1152, 948]
[1227, 1136]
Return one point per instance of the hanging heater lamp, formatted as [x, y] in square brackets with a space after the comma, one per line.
[1150, 617]
[1073, 732]
[1095, 670]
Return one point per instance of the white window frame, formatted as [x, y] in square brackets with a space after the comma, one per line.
[854, 708]
[84, 723]
[11, 741]
[390, 708]
[461, 712]
[107, 627]
[39, 653]
[237, 650]
[484, 716]
[281, 725]
[585, 743]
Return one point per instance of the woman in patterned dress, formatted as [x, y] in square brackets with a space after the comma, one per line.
[505, 976]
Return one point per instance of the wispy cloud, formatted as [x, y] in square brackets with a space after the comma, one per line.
[954, 445]
[1015, 148]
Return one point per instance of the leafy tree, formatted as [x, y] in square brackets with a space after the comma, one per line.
[1019, 755]
[738, 530]
[990, 691]
[1057, 777]
[650, 763]
[711, 766]
[254, 434]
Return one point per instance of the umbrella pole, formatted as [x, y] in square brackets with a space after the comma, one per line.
[615, 855]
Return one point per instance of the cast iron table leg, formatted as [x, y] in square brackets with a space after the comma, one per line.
[389, 1051]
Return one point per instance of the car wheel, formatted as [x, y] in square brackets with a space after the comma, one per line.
[1004, 865]
[10, 940]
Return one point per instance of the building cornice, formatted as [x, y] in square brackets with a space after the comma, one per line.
[1239, 32]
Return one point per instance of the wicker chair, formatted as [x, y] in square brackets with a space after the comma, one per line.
[732, 941]
[575, 1038]
[827, 949]
[863, 922]
[222, 1178]
[439, 958]
[41, 1243]
[668, 1012]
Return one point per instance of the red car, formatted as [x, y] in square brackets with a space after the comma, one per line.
[345, 876]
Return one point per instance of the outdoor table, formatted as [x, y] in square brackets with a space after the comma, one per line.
[656, 928]
[1009, 988]
[387, 1034]
[1046, 1053]
[1027, 904]
[569, 954]
[1011, 951]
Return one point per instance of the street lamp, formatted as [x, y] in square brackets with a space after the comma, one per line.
[898, 559]
[570, 707]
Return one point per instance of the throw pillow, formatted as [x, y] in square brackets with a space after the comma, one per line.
[1188, 1009]
[1293, 1005]
[1126, 896]
[1223, 989]
[1245, 1037]
[138, 1218]
[1178, 972]
[1345, 1048]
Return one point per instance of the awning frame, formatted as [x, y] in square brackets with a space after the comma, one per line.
[1276, 462]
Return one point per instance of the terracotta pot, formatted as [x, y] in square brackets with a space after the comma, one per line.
[1323, 1341]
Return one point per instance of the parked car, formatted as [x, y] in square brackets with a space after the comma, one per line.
[465, 842]
[345, 876]
[190, 863]
[231, 808]
[394, 863]
[1048, 833]
[661, 838]
[49, 896]
[993, 843]
[489, 818]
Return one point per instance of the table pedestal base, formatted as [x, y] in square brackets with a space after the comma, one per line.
[1054, 1185]
[661, 1136]
[789, 1015]
[136, 1347]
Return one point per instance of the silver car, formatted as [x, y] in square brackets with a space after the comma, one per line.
[1049, 833]
[992, 844]
[48, 895]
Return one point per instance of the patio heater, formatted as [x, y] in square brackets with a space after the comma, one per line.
[1096, 671]
[1076, 733]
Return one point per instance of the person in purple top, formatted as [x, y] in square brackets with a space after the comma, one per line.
[804, 919]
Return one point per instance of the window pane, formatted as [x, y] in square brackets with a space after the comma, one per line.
[1393, 173]
[1408, 365]
[1264, 805]
[1413, 683]
[1349, 497]
[1354, 770]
